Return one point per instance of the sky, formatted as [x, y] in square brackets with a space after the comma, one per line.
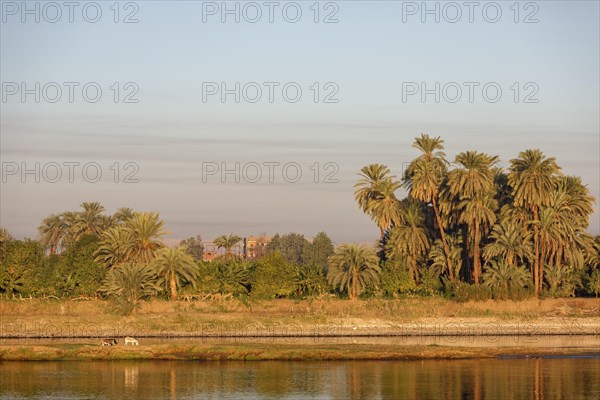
[261, 124]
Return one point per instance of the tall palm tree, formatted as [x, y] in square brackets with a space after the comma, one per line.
[375, 195]
[227, 242]
[90, 221]
[352, 268]
[472, 184]
[146, 232]
[508, 242]
[423, 178]
[175, 265]
[437, 256]
[532, 180]
[478, 214]
[367, 187]
[385, 207]
[409, 240]
[52, 232]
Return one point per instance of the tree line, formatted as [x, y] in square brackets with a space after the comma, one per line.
[474, 228]
[470, 230]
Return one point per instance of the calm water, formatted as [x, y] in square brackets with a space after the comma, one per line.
[547, 378]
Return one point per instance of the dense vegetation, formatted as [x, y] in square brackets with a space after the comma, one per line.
[468, 230]
[480, 230]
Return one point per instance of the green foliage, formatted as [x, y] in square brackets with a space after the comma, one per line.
[505, 280]
[562, 281]
[311, 280]
[396, 279]
[274, 277]
[223, 277]
[174, 266]
[79, 273]
[136, 240]
[318, 252]
[353, 268]
[461, 291]
[431, 282]
[227, 242]
[194, 247]
[437, 256]
[18, 262]
[594, 282]
[129, 283]
[292, 246]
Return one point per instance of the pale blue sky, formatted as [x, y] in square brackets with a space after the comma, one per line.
[369, 53]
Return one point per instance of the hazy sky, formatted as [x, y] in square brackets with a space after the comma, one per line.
[365, 71]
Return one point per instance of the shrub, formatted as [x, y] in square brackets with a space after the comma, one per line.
[273, 277]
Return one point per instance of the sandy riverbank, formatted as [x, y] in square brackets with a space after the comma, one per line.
[256, 351]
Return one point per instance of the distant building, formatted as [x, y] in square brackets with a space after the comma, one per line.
[249, 248]
[255, 246]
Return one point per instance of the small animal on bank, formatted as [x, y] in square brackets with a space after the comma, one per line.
[132, 341]
[109, 342]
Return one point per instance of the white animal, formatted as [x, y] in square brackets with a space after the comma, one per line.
[132, 341]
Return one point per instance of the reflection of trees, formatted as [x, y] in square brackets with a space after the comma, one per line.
[537, 379]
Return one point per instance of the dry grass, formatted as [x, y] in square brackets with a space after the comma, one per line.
[281, 317]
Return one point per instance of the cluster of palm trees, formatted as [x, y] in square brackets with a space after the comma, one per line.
[130, 247]
[530, 218]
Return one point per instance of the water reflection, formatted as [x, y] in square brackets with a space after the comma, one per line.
[459, 379]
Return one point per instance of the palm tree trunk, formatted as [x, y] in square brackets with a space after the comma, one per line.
[476, 255]
[415, 272]
[443, 235]
[536, 250]
[173, 285]
[543, 258]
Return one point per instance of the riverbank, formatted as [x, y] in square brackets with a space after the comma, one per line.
[286, 318]
[286, 351]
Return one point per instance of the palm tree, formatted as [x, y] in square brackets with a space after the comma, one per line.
[501, 275]
[532, 180]
[409, 240]
[385, 207]
[367, 187]
[146, 231]
[472, 184]
[174, 265]
[375, 195]
[509, 243]
[129, 283]
[52, 232]
[71, 235]
[90, 221]
[227, 242]
[423, 178]
[123, 214]
[114, 247]
[352, 268]
[437, 256]
[478, 214]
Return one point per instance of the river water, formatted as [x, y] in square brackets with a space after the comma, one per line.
[566, 377]
[540, 378]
